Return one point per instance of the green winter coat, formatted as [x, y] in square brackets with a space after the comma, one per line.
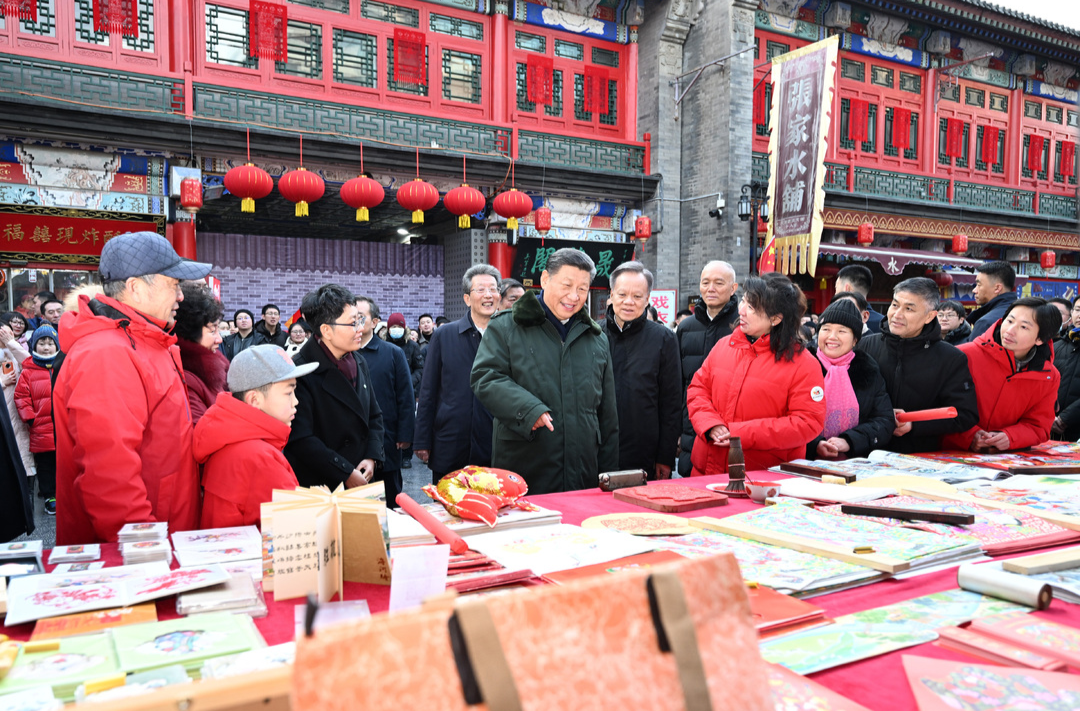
[522, 370]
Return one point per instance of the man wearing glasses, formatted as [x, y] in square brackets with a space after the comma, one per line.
[337, 436]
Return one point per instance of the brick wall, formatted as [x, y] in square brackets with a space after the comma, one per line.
[405, 278]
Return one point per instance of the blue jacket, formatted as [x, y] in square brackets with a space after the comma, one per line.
[450, 422]
[874, 322]
[392, 383]
[984, 317]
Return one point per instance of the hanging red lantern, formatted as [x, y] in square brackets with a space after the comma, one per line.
[828, 269]
[191, 195]
[250, 183]
[418, 196]
[866, 233]
[362, 193]
[513, 205]
[302, 187]
[464, 201]
[959, 244]
[542, 220]
[942, 278]
[642, 229]
[1047, 260]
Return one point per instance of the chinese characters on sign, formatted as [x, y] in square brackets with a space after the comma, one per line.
[666, 303]
[46, 234]
[531, 257]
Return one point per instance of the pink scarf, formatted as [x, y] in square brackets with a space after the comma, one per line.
[842, 408]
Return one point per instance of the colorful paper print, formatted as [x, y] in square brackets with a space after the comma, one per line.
[184, 641]
[845, 641]
[941, 685]
[943, 609]
[793, 692]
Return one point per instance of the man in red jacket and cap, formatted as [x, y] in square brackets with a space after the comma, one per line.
[123, 427]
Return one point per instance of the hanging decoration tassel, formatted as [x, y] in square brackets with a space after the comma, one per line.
[1035, 153]
[990, 138]
[268, 31]
[1068, 159]
[954, 138]
[759, 103]
[901, 129]
[538, 78]
[120, 16]
[410, 61]
[25, 10]
[858, 120]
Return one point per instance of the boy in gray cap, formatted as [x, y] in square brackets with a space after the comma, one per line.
[239, 439]
[123, 425]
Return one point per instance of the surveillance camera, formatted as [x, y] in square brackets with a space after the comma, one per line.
[715, 213]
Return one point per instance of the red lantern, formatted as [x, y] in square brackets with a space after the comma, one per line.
[828, 269]
[942, 278]
[190, 195]
[513, 205]
[250, 183]
[302, 187]
[418, 196]
[866, 233]
[642, 229]
[464, 201]
[1047, 260]
[542, 220]
[959, 244]
[362, 193]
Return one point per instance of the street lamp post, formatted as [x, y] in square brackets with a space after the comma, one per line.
[754, 203]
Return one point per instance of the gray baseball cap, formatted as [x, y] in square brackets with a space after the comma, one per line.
[262, 365]
[135, 254]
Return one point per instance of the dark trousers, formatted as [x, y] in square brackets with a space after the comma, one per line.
[436, 476]
[46, 474]
[392, 482]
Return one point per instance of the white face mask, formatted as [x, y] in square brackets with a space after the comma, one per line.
[397, 332]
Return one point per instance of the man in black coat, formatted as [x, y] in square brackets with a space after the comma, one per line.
[393, 391]
[921, 371]
[244, 337]
[16, 505]
[452, 428]
[859, 279]
[270, 326]
[648, 377]
[1067, 360]
[715, 316]
[337, 435]
[995, 290]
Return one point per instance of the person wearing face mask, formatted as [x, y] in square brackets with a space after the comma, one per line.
[1067, 361]
[1015, 379]
[858, 414]
[398, 334]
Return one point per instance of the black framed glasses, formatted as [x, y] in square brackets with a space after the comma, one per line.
[355, 325]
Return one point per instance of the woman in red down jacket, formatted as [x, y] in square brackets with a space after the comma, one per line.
[1016, 383]
[33, 398]
[205, 369]
[758, 384]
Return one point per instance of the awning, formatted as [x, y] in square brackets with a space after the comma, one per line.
[894, 260]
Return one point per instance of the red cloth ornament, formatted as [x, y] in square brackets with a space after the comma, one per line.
[858, 120]
[362, 193]
[954, 138]
[759, 103]
[990, 145]
[120, 16]
[191, 195]
[596, 90]
[959, 244]
[1047, 260]
[1068, 159]
[866, 233]
[901, 128]
[410, 62]
[538, 74]
[542, 220]
[1035, 153]
[23, 10]
[268, 31]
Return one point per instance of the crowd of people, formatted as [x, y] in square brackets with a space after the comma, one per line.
[139, 402]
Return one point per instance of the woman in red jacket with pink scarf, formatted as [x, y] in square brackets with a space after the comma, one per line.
[759, 384]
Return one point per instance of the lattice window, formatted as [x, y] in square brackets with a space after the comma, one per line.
[974, 97]
[341, 6]
[145, 41]
[305, 51]
[417, 89]
[354, 58]
[1058, 177]
[456, 27]
[1033, 110]
[999, 165]
[385, 12]
[775, 49]
[762, 129]
[569, 50]
[530, 42]
[227, 37]
[870, 144]
[84, 24]
[1024, 171]
[850, 69]
[611, 118]
[555, 108]
[1072, 118]
[999, 102]
[911, 83]
[605, 57]
[943, 137]
[951, 92]
[46, 24]
[1053, 114]
[881, 76]
[523, 103]
[911, 153]
[461, 76]
[579, 99]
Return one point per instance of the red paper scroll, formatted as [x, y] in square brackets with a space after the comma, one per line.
[410, 61]
[268, 31]
[116, 16]
[596, 90]
[901, 128]
[1035, 153]
[954, 138]
[1068, 159]
[858, 120]
[759, 103]
[990, 145]
[538, 74]
[22, 9]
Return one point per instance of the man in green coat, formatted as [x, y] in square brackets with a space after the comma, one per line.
[544, 372]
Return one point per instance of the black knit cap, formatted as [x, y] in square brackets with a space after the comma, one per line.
[844, 313]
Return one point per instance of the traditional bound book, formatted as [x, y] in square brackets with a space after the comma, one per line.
[92, 622]
[1040, 636]
[994, 650]
[315, 539]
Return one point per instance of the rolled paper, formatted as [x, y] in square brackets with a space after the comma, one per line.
[938, 413]
[992, 580]
[830, 479]
[433, 525]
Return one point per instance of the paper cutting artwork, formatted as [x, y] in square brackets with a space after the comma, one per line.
[941, 685]
[943, 609]
[181, 642]
[61, 664]
[845, 641]
[642, 524]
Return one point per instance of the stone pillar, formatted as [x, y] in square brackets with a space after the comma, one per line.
[716, 118]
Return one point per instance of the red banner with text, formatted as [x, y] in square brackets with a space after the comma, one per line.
[23, 234]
